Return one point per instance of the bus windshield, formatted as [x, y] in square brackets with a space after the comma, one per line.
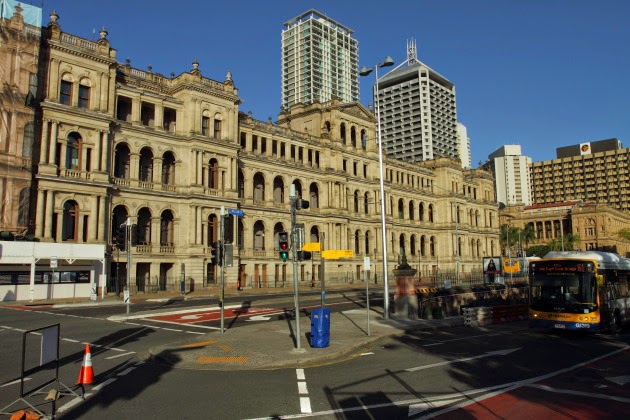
[563, 286]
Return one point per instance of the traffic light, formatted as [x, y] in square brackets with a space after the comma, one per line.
[121, 237]
[283, 242]
[216, 253]
[304, 255]
[301, 204]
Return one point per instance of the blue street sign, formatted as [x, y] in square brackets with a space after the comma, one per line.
[236, 212]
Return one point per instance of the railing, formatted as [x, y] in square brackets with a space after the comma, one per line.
[69, 39]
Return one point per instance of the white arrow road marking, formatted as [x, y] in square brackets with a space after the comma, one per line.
[465, 359]
[259, 318]
[619, 380]
[190, 317]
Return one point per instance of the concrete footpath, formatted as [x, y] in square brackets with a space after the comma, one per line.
[268, 342]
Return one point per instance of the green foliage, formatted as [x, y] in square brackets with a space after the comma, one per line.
[624, 234]
[538, 250]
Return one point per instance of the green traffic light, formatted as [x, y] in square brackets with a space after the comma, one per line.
[284, 255]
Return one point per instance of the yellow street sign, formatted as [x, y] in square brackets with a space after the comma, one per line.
[312, 246]
[334, 254]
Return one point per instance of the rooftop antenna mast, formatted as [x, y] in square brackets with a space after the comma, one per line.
[412, 52]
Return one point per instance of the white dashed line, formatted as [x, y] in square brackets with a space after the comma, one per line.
[305, 402]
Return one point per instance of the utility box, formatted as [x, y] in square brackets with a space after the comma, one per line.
[320, 327]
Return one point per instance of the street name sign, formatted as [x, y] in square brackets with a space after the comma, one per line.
[334, 254]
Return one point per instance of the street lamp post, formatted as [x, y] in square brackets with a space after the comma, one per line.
[364, 72]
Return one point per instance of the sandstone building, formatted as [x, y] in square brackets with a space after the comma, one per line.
[169, 153]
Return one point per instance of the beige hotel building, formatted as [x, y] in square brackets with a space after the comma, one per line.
[112, 142]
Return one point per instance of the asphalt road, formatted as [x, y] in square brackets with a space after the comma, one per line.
[500, 371]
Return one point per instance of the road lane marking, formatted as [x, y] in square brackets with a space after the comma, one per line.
[305, 405]
[120, 355]
[580, 393]
[465, 359]
[305, 401]
[17, 381]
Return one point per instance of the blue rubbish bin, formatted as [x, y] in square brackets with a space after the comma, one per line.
[320, 327]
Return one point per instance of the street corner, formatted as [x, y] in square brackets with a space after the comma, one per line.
[204, 353]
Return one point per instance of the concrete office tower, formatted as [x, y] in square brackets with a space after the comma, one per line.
[463, 143]
[511, 173]
[319, 61]
[596, 171]
[418, 112]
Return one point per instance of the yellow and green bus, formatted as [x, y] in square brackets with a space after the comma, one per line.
[579, 290]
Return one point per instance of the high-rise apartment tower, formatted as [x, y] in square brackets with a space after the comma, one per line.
[511, 173]
[418, 112]
[320, 61]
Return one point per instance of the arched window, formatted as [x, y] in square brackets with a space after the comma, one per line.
[167, 228]
[70, 222]
[119, 216]
[278, 190]
[423, 246]
[431, 213]
[367, 244]
[421, 212]
[146, 165]
[168, 168]
[401, 209]
[412, 245]
[213, 229]
[342, 133]
[313, 196]
[353, 136]
[241, 184]
[121, 161]
[363, 139]
[412, 210]
[259, 187]
[356, 201]
[259, 236]
[357, 244]
[432, 245]
[366, 202]
[143, 232]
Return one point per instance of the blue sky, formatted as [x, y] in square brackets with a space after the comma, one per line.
[539, 73]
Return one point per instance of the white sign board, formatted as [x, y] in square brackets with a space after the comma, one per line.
[53, 262]
[366, 263]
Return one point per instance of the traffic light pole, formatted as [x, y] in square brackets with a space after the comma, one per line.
[221, 252]
[128, 246]
[292, 200]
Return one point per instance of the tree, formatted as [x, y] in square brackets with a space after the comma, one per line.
[508, 233]
[538, 250]
[528, 234]
[624, 234]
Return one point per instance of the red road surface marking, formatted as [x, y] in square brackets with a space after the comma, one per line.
[214, 314]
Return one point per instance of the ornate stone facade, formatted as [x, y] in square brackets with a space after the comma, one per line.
[172, 153]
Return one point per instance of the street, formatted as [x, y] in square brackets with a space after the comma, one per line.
[498, 371]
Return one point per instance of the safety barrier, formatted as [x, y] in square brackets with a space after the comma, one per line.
[486, 315]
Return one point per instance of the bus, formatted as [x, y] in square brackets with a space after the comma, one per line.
[579, 290]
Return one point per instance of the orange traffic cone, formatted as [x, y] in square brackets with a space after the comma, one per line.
[86, 374]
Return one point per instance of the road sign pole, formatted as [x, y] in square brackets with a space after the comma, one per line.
[366, 267]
